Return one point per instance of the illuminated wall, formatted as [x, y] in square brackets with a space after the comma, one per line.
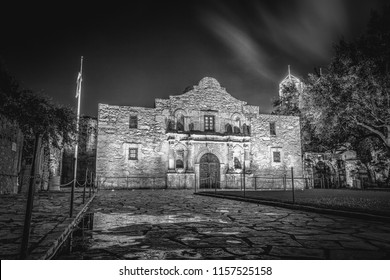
[163, 146]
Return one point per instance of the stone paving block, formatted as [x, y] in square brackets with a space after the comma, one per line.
[357, 255]
[245, 251]
[297, 253]
[381, 245]
[320, 244]
[264, 241]
[379, 236]
[358, 245]
[215, 253]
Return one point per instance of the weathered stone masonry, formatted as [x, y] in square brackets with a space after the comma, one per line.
[204, 137]
[11, 145]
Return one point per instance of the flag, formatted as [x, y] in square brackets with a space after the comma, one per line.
[79, 80]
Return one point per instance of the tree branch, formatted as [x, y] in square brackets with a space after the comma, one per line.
[376, 132]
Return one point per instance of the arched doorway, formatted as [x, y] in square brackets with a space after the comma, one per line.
[209, 167]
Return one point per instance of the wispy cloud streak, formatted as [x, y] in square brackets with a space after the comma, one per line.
[303, 29]
[249, 53]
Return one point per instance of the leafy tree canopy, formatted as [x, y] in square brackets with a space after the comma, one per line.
[35, 114]
[350, 102]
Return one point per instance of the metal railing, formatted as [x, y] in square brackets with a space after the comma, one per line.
[247, 183]
[256, 183]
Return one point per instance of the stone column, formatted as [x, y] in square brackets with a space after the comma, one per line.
[247, 159]
[229, 155]
[189, 158]
[185, 160]
[171, 158]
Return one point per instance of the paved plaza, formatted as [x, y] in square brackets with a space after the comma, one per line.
[49, 226]
[176, 224]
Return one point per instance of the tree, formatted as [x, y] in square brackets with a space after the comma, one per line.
[35, 114]
[288, 102]
[349, 105]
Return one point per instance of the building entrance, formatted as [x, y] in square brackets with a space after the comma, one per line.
[209, 171]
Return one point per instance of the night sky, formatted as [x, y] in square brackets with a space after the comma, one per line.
[152, 49]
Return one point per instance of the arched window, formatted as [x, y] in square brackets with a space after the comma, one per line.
[228, 128]
[180, 123]
[237, 125]
[171, 125]
[179, 164]
[237, 163]
[246, 129]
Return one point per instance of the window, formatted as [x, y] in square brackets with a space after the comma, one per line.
[228, 129]
[276, 156]
[171, 125]
[237, 125]
[133, 122]
[237, 163]
[180, 123]
[272, 128]
[179, 163]
[133, 153]
[209, 123]
[246, 129]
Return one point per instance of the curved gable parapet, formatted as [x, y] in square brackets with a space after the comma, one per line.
[207, 95]
[209, 82]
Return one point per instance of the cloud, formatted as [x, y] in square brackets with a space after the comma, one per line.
[248, 52]
[259, 32]
[305, 27]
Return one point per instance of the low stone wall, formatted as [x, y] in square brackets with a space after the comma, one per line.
[181, 180]
[132, 182]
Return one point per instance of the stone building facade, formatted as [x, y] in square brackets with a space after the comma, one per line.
[203, 138]
[11, 147]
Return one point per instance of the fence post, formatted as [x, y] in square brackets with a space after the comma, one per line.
[90, 185]
[255, 183]
[292, 184]
[244, 179]
[85, 184]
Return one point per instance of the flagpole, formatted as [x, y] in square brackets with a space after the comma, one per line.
[78, 93]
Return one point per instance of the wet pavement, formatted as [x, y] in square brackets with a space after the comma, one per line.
[176, 224]
[49, 226]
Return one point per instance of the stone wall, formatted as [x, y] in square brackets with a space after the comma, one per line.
[116, 138]
[11, 146]
[286, 140]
